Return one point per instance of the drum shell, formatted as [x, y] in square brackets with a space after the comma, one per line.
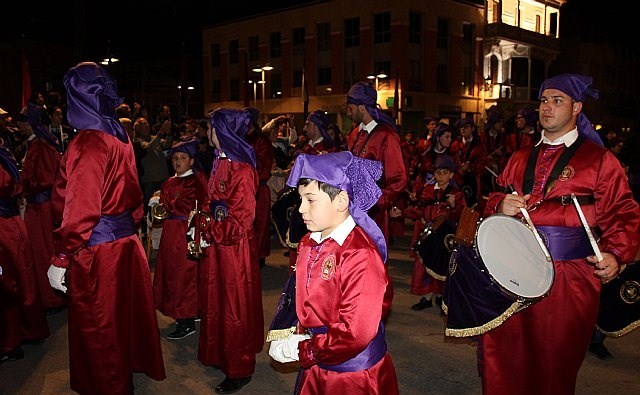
[433, 250]
[287, 219]
[620, 304]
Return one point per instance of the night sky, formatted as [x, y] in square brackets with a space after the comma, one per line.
[156, 29]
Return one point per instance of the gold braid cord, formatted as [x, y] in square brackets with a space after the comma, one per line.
[280, 334]
[494, 323]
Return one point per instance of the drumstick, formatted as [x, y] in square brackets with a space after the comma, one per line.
[587, 229]
[493, 173]
[526, 216]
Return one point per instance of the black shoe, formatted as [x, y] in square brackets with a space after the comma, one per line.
[424, 303]
[181, 332]
[229, 386]
[13, 355]
[600, 351]
[54, 310]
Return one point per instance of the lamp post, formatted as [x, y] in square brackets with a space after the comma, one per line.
[261, 70]
[255, 89]
[377, 77]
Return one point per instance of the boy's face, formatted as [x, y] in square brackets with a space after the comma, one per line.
[443, 176]
[319, 212]
[181, 162]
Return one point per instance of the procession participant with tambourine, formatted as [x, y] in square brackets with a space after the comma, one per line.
[540, 349]
[229, 288]
[440, 206]
[175, 281]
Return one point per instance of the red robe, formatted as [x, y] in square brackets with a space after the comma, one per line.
[175, 281]
[475, 154]
[40, 166]
[262, 223]
[113, 328]
[232, 326]
[342, 288]
[21, 313]
[382, 144]
[540, 349]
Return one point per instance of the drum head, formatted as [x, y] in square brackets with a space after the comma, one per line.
[513, 257]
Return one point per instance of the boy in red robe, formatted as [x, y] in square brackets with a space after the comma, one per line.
[175, 282]
[341, 280]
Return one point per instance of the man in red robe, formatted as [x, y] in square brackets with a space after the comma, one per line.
[540, 349]
[39, 169]
[21, 313]
[375, 137]
[232, 326]
[113, 329]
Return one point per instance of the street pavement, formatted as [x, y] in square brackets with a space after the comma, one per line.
[426, 361]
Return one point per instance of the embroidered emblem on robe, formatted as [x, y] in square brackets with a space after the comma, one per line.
[328, 267]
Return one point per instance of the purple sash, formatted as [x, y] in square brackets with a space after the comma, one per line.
[566, 243]
[370, 356]
[38, 198]
[9, 207]
[111, 228]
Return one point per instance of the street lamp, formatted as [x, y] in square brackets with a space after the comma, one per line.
[109, 59]
[261, 70]
[377, 77]
[255, 88]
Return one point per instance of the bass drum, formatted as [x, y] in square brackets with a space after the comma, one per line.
[620, 303]
[434, 248]
[287, 219]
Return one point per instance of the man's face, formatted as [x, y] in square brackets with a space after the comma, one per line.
[355, 113]
[443, 176]
[466, 131]
[431, 126]
[311, 131]
[558, 111]
[56, 117]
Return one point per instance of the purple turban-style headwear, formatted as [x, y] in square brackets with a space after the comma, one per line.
[356, 176]
[253, 115]
[92, 100]
[530, 116]
[8, 161]
[231, 126]
[578, 87]
[445, 162]
[362, 93]
[34, 114]
[319, 118]
[189, 147]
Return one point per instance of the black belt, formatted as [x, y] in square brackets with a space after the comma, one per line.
[566, 200]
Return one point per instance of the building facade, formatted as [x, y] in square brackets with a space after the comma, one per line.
[444, 58]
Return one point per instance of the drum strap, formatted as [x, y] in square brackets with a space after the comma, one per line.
[529, 172]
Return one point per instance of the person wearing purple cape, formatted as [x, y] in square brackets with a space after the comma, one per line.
[229, 283]
[99, 260]
[540, 349]
[341, 280]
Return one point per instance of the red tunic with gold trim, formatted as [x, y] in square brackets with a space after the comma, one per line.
[21, 313]
[382, 144]
[175, 281]
[540, 349]
[40, 166]
[341, 288]
[264, 160]
[232, 326]
[113, 328]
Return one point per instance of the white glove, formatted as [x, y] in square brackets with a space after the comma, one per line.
[286, 350]
[191, 233]
[154, 200]
[56, 277]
